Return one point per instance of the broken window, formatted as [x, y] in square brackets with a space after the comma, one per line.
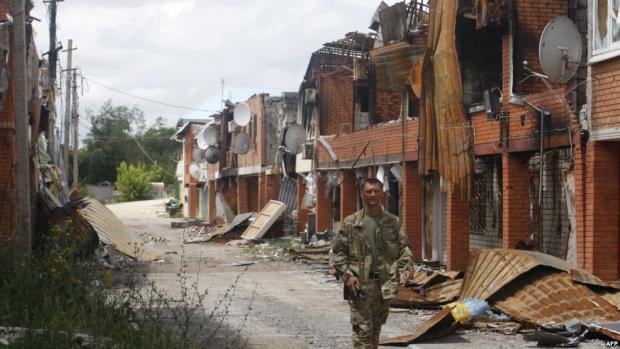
[480, 56]
[361, 94]
[412, 103]
[606, 26]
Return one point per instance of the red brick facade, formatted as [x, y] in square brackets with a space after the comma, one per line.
[457, 230]
[348, 194]
[516, 199]
[412, 207]
[336, 99]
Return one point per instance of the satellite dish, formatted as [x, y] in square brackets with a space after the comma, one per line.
[560, 49]
[197, 155]
[194, 170]
[242, 114]
[213, 155]
[241, 143]
[294, 138]
[201, 140]
[211, 135]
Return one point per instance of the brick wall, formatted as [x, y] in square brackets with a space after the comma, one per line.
[302, 213]
[188, 147]
[457, 232]
[386, 139]
[256, 155]
[605, 91]
[252, 184]
[387, 105]
[242, 195]
[193, 200]
[516, 199]
[602, 209]
[8, 208]
[580, 199]
[211, 197]
[336, 102]
[348, 194]
[411, 199]
[531, 18]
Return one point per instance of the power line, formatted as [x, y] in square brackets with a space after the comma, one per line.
[146, 99]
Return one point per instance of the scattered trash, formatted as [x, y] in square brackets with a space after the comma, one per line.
[468, 309]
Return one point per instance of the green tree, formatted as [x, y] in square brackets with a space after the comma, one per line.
[133, 181]
[118, 134]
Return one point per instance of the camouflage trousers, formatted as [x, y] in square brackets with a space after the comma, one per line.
[368, 315]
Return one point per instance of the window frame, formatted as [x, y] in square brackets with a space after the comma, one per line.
[609, 49]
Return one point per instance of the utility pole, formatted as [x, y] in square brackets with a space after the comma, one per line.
[76, 140]
[53, 62]
[67, 126]
[24, 228]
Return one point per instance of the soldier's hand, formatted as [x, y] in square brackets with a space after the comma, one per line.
[353, 284]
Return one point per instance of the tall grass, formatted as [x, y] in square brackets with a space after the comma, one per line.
[57, 299]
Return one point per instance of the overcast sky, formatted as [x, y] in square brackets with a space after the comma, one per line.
[178, 51]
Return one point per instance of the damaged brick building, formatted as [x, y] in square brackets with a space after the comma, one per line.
[477, 144]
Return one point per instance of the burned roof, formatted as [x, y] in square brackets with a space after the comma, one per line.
[338, 53]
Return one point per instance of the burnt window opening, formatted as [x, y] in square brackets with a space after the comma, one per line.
[412, 102]
[480, 58]
[393, 195]
[361, 100]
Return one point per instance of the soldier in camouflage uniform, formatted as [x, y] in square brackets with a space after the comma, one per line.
[369, 250]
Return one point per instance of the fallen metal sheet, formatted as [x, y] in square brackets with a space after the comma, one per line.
[408, 298]
[443, 293]
[113, 232]
[264, 220]
[609, 329]
[612, 296]
[489, 270]
[548, 298]
[424, 279]
[238, 220]
[440, 325]
[393, 64]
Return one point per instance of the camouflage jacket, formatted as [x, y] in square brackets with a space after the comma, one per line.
[352, 251]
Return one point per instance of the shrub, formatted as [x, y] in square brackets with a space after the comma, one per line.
[133, 181]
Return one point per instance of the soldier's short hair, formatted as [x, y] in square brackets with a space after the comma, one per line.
[371, 181]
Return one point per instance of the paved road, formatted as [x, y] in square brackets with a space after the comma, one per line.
[283, 305]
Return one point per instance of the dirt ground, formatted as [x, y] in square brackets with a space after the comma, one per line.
[276, 304]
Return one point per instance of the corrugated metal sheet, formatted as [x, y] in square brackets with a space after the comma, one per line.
[438, 326]
[393, 64]
[612, 296]
[443, 293]
[547, 298]
[288, 193]
[446, 138]
[491, 269]
[113, 232]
